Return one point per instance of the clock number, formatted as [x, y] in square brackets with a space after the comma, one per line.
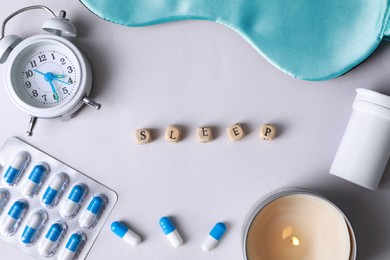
[42, 58]
[70, 69]
[65, 91]
[70, 81]
[28, 84]
[35, 93]
[63, 62]
[44, 97]
[33, 64]
[52, 55]
[29, 73]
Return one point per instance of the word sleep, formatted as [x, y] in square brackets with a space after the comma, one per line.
[204, 134]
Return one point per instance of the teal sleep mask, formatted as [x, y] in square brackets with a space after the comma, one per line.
[307, 39]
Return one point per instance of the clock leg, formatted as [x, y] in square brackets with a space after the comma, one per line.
[91, 103]
[31, 125]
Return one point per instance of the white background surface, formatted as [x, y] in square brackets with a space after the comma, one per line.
[194, 73]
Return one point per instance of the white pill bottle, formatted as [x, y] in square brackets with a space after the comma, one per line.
[364, 150]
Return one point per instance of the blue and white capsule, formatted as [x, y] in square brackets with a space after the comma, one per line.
[15, 169]
[127, 235]
[4, 197]
[74, 201]
[73, 246]
[54, 190]
[14, 216]
[170, 232]
[214, 236]
[52, 239]
[35, 179]
[33, 227]
[92, 213]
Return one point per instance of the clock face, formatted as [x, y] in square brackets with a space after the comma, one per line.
[45, 74]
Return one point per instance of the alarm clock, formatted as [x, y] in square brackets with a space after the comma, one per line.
[46, 75]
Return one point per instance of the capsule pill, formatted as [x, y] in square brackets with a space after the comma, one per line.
[33, 226]
[73, 246]
[35, 179]
[170, 232]
[18, 163]
[54, 190]
[14, 216]
[4, 197]
[120, 229]
[93, 212]
[213, 237]
[52, 239]
[74, 200]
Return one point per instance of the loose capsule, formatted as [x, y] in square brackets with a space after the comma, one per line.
[35, 179]
[33, 227]
[52, 239]
[54, 190]
[93, 212]
[170, 232]
[119, 229]
[18, 163]
[73, 246]
[74, 200]
[15, 214]
[4, 197]
[214, 236]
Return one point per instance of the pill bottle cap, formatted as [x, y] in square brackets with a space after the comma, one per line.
[372, 97]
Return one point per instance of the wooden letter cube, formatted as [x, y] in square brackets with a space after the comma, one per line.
[204, 134]
[143, 136]
[235, 132]
[173, 134]
[267, 132]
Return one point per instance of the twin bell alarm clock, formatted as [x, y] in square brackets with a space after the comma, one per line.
[46, 75]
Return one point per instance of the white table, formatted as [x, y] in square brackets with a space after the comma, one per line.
[190, 74]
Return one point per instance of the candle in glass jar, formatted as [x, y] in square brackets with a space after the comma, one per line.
[298, 227]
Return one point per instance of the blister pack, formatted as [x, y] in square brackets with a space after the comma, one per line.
[48, 209]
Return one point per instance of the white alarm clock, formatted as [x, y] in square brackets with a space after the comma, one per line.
[46, 75]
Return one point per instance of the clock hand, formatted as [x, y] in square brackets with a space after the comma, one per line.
[64, 82]
[54, 76]
[37, 71]
[50, 76]
[53, 88]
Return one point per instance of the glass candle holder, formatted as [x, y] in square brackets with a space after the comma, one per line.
[295, 224]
